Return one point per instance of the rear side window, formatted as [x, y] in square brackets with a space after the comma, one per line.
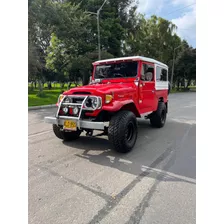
[147, 72]
[161, 74]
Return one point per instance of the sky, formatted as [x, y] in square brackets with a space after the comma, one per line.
[181, 12]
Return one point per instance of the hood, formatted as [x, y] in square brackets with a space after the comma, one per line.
[103, 88]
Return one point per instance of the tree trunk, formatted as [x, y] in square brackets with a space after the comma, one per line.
[85, 79]
[32, 86]
[49, 85]
[62, 85]
[188, 83]
[40, 86]
[178, 84]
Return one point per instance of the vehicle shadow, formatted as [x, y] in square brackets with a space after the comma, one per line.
[153, 147]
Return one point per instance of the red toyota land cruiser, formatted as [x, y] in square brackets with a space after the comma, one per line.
[121, 90]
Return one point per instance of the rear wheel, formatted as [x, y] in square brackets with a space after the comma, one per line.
[123, 131]
[67, 136]
[158, 118]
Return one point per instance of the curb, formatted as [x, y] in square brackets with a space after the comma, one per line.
[42, 107]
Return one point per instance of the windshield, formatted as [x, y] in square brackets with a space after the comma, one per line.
[116, 70]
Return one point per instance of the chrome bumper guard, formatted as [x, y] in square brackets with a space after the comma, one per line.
[81, 124]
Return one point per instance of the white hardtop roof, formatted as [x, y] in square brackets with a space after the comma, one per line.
[133, 58]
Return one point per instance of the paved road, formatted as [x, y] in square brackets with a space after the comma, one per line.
[86, 182]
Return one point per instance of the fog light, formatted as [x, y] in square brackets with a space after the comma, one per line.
[75, 110]
[65, 110]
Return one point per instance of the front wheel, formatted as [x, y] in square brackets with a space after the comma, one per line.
[67, 136]
[123, 131]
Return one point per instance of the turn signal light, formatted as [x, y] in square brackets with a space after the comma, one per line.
[108, 98]
[60, 98]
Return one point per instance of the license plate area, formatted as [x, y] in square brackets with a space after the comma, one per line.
[70, 125]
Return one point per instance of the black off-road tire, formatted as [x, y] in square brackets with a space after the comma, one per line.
[158, 118]
[67, 136]
[123, 131]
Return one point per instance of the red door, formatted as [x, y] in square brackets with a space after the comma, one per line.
[146, 88]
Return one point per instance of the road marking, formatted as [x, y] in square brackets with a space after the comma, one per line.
[169, 174]
[39, 133]
[38, 122]
[183, 120]
[105, 212]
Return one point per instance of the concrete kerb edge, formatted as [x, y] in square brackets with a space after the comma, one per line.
[42, 107]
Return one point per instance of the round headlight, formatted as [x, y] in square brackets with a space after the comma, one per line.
[75, 110]
[67, 100]
[95, 103]
[88, 103]
[65, 110]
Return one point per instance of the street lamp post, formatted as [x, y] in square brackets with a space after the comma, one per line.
[98, 26]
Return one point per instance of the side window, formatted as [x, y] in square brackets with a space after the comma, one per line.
[161, 74]
[147, 72]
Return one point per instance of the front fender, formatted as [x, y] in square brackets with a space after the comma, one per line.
[124, 105]
[116, 105]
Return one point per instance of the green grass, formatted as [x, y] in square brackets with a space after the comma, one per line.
[182, 89]
[54, 86]
[192, 88]
[49, 97]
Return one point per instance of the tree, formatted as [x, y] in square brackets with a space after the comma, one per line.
[41, 14]
[114, 22]
[70, 40]
[185, 66]
[63, 37]
[72, 49]
[57, 60]
[153, 38]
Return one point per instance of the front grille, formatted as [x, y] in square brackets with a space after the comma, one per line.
[77, 100]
